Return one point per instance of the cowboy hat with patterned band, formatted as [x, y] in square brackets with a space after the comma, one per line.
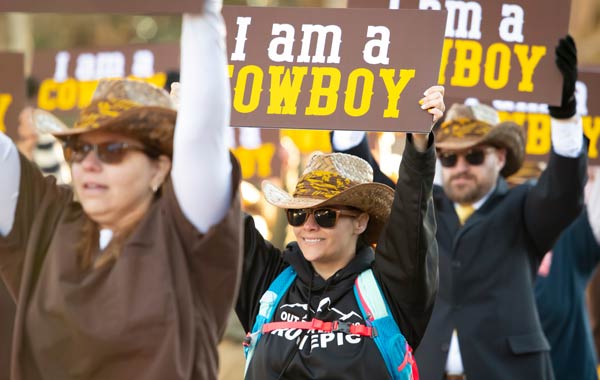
[337, 179]
[466, 126]
[130, 107]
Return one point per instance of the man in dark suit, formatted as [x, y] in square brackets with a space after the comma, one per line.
[491, 238]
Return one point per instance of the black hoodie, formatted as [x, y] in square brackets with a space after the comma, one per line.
[405, 265]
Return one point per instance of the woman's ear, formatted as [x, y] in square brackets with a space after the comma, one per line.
[361, 222]
[163, 167]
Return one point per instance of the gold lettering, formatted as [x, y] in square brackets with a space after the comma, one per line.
[528, 64]
[239, 92]
[255, 162]
[498, 55]
[591, 128]
[308, 141]
[538, 134]
[467, 69]
[320, 91]
[366, 95]
[448, 44]
[264, 155]
[47, 95]
[285, 90]
[395, 89]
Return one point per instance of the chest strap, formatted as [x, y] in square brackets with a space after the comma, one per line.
[319, 325]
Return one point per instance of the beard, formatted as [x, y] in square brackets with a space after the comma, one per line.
[469, 192]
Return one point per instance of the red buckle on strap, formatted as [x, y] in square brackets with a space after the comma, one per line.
[319, 325]
[361, 330]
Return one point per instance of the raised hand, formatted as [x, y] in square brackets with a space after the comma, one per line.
[433, 102]
[566, 60]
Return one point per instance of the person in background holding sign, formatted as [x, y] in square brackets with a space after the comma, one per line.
[491, 238]
[315, 310]
[136, 278]
[560, 289]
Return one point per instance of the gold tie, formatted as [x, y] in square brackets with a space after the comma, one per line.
[464, 212]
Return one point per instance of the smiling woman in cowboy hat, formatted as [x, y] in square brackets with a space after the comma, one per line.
[136, 277]
[317, 329]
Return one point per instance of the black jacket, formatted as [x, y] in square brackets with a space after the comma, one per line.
[487, 271]
[404, 263]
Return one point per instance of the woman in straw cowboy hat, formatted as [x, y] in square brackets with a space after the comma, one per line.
[134, 278]
[313, 326]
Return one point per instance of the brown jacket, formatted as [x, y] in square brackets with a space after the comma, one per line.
[157, 312]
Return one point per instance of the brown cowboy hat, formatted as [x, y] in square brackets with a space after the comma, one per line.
[465, 126]
[337, 179]
[130, 107]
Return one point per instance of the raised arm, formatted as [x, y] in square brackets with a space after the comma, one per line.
[557, 198]
[10, 175]
[406, 262]
[26, 197]
[202, 168]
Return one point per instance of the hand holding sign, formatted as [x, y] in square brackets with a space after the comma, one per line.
[433, 102]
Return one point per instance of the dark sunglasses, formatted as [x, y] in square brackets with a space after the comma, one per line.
[325, 217]
[108, 153]
[474, 156]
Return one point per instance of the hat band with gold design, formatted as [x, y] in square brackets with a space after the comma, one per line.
[463, 127]
[100, 111]
[322, 185]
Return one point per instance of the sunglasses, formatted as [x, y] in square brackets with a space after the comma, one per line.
[108, 153]
[325, 217]
[474, 156]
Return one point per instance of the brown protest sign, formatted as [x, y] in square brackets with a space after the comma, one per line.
[536, 121]
[102, 6]
[497, 49]
[332, 68]
[68, 78]
[12, 92]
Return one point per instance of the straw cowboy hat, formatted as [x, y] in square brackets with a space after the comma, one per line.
[466, 126]
[337, 179]
[129, 107]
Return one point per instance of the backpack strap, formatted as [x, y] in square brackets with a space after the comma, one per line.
[322, 326]
[268, 303]
[392, 345]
